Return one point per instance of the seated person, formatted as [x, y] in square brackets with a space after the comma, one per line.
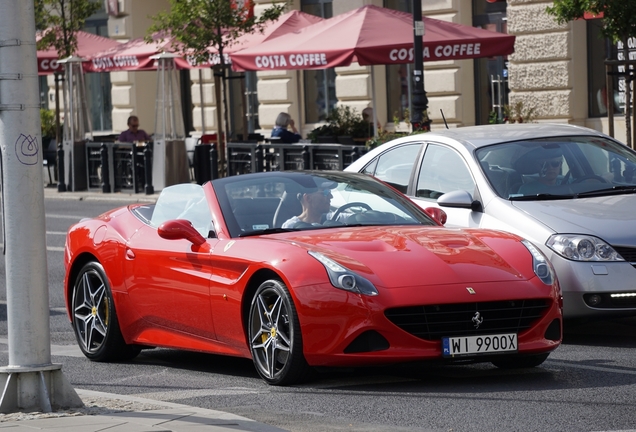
[368, 116]
[283, 121]
[549, 162]
[316, 205]
[133, 133]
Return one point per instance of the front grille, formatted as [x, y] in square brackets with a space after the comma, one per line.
[432, 322]
[628, 254]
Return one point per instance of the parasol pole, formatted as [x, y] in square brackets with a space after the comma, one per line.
[420, 101]
[375, 111]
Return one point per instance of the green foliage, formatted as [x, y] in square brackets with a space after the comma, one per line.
[47, 122]
[619, 16]
[493, 118]
[197, 25]
[386, 136]
[343, 121]
[61, 20]
[517, 113]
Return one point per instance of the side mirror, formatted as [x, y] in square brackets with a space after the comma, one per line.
[459, 199]
[437, 214]
[178, 229]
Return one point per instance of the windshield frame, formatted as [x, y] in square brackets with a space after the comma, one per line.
[266, 188]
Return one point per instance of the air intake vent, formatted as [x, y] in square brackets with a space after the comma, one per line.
[432, 322]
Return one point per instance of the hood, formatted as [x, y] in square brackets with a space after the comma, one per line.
[611, 218]
[410, 256]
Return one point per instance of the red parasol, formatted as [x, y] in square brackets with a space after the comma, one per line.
[136, 54]
[370, 35]
[87, 43]
[286, 23]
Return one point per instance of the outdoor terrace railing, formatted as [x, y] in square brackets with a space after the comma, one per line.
[246, 158]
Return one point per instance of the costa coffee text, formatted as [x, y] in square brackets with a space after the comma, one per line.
[440, 51]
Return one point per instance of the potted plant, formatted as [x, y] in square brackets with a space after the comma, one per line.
[344, 125]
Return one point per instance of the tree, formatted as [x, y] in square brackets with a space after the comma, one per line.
[60, 20]
[196, 26]
[618, 18]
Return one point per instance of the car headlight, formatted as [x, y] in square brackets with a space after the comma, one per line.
[542, 267]
[579, 247]
[343, 278]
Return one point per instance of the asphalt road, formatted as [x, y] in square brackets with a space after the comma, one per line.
[588, 384]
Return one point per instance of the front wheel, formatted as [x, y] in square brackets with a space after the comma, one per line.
[274, 334]
[521, 362]
[94, 318]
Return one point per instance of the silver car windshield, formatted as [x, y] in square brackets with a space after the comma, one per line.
[563, 167]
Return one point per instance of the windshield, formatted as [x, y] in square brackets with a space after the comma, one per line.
[266, 203]
[563, 167]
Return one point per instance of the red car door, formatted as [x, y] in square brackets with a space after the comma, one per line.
[169, 283]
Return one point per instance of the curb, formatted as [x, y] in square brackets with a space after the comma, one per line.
[208, 412]
[51, 193]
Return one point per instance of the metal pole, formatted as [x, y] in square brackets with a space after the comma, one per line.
[375, 111]
[420, 101]
[61, 186]
[609, 86]
[202, 105]
[30, 382]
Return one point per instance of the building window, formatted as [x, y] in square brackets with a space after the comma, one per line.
[491, 74]
[398, 84]
[598, 50]
[319, 85]
[98, 85]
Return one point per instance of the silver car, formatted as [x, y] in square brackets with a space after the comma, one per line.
[568, 189]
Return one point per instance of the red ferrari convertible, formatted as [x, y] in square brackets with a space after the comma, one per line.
[303, 269]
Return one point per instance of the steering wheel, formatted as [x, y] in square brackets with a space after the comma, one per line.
[590, 177]
[349, 205]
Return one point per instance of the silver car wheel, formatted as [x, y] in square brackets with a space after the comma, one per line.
[91, 311]
[274, 336]
[271, 333]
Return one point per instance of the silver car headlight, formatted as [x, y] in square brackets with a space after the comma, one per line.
[579, 247]
[343, 278]
[542, 267]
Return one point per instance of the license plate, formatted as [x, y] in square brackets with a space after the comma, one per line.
[472, 345]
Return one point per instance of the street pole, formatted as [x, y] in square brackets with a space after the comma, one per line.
[61, 186]
[30, 382]
[418, 95]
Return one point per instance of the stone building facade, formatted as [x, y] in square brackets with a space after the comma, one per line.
[548, 72]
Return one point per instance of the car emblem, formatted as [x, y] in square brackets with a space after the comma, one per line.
[470, 290]
[228, 245]
[477, 319]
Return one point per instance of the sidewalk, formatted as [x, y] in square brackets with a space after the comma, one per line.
[150, 416]
[51, 192]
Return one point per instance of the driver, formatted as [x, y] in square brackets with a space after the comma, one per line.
[316, 205]
[549, 163]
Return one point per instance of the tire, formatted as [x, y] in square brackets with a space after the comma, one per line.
[94, 319]
[274, 336]
[521, 362]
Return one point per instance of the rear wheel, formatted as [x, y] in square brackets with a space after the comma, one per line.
[274, 335]
[521, 362]
[94, 318]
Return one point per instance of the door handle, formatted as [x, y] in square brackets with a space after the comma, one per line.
[130, 254]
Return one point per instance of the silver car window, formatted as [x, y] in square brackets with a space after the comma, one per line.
[395, 166]
[443, 170]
